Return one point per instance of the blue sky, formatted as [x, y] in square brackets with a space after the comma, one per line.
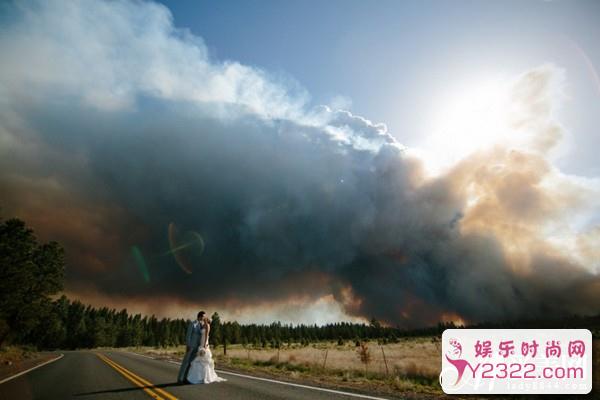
[393, 59]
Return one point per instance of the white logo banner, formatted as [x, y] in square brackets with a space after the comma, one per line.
[516, 361]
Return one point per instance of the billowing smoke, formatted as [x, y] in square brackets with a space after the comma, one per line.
[172, 178]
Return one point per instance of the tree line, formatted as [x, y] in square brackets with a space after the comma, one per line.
[32, 273]
[70, 324]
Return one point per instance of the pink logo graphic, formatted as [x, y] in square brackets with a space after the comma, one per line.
[457, 362]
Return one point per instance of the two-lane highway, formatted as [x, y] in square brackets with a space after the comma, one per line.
[119, 375]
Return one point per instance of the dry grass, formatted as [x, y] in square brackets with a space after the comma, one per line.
[14, 359]
[410, 357]
[412, 364]
[12, 354]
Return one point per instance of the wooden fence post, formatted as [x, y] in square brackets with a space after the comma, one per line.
[387, 371]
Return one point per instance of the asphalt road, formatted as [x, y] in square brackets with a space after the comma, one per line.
[91, 375]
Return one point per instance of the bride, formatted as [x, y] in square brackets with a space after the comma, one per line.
[202, 369]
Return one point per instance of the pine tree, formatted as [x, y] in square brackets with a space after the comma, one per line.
[216, 334]
[29, 273]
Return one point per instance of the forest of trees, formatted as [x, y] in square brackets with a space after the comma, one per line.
[31, 274]
[71, 324]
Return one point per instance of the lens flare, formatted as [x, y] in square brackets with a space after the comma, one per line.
[186, 248]
[141, 263]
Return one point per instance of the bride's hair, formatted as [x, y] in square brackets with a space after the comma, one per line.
[201, 315]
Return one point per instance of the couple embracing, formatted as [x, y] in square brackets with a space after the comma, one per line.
[198, 365]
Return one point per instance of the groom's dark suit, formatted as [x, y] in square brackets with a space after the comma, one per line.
[192, 341]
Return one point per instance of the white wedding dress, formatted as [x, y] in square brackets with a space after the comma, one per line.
[202, 368]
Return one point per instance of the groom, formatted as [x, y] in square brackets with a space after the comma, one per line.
[192, 341]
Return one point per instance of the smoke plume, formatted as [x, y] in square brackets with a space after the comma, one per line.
[174, 179]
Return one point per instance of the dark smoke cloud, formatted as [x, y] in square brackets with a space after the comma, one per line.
[122, 132]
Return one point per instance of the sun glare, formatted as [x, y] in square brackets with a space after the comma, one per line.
[468, 118]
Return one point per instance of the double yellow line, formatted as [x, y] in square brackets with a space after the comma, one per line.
[149, 388]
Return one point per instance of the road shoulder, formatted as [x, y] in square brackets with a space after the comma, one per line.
[14, 369]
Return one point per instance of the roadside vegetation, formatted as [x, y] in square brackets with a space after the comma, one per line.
[410, 365]
[10, 355]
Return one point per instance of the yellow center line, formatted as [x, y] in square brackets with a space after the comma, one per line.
[130, 378]
[138, 380]
[156, 389]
